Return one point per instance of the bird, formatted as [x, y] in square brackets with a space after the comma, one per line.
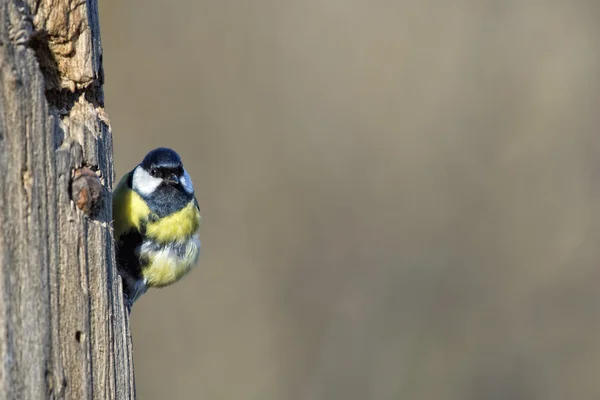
[156, 218]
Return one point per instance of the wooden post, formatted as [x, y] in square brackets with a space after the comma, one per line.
[64, 333]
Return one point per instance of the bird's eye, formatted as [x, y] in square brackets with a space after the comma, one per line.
[153, 171]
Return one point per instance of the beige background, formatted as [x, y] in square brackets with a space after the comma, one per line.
[400, 200]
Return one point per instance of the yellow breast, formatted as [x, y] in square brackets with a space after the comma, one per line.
[175, 227]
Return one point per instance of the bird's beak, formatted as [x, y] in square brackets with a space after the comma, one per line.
[172, 180]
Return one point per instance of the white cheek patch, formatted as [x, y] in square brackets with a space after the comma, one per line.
[143, 182]
[186, 182]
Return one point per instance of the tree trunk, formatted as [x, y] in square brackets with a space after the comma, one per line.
[63, 329]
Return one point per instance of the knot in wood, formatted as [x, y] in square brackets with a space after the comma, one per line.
[86, 191]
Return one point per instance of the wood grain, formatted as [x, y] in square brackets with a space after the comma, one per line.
[64, 333]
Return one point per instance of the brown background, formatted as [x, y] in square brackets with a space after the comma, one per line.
[400, 200]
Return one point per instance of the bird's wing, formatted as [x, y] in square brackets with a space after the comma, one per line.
[127, 231]
[130, 211]
[199, 215]
[121, 206]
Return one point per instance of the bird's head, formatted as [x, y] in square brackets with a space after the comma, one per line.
[161, 168]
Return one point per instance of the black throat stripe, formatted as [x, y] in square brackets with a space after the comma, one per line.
[167, 199]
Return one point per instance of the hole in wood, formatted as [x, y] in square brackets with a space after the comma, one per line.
[86, 191]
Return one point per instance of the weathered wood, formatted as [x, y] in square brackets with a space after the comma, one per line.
[63, 329]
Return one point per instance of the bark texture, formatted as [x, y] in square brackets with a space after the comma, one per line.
[63, 330]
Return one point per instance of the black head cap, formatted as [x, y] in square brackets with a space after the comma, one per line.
[161, 158]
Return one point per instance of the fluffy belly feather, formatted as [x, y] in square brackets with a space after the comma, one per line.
[165, 264]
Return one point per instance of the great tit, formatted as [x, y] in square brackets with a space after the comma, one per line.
[156, 220]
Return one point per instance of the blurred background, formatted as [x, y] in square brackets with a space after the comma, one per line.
[400, 200]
